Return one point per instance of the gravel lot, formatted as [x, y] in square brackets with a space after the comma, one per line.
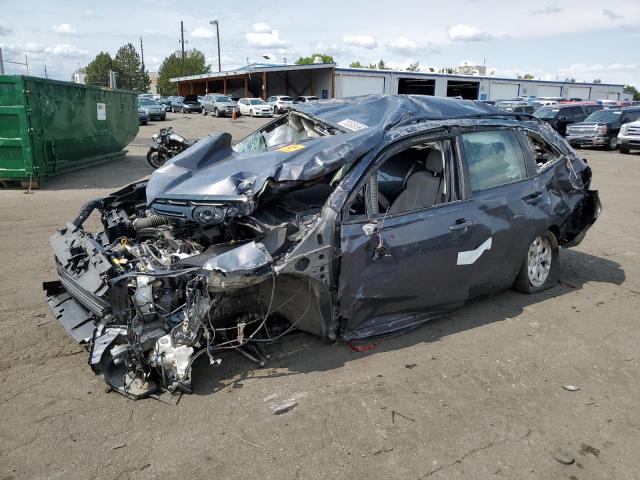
[478, 395]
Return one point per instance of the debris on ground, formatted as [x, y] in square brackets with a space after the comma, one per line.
[571, 388]
[563, 456]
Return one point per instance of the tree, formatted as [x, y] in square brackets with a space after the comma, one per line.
[98, 70]
[356, 64]
[413, 67]
[310, 59]
[526, 76]
[633, 91]
[597, 80]
[381, 65]
[570, 80]
[129, 69]
[194, 64]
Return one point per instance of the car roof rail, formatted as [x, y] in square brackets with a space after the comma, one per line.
[426, 118]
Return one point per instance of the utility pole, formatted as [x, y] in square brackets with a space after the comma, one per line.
[182, 41]
[215, 23]
[1, 63]
[142, 58]
[26, 62]
[45, 72]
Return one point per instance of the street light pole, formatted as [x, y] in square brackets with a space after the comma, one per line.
[215, 22]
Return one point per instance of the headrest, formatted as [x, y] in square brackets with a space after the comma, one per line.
[433, 163]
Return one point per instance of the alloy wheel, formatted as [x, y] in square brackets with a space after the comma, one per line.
[539, 261]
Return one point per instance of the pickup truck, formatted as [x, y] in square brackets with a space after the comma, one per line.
[629, 137]
[561, 116]
[601, 128]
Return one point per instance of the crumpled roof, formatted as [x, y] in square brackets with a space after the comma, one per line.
[211, 169]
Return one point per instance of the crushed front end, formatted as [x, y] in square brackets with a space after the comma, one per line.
[149, 294]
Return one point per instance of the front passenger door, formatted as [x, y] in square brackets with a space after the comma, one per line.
[406, 253]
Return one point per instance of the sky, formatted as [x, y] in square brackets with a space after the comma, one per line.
[554, 39]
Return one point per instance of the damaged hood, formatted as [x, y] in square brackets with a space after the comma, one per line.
[212, 171]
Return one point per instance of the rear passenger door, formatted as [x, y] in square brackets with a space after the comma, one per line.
[498, 184]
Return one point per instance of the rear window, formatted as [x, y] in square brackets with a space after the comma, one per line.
[286, 99]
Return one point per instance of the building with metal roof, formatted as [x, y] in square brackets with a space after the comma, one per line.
[326, 80]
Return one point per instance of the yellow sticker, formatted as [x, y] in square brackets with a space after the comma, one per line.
[291, 148]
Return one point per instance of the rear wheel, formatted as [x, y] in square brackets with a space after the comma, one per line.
[540, 266]
[623, 149]
[204, 111]
[251, 113]
[216, 112]
[612, 144]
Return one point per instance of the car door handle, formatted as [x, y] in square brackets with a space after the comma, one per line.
[461, 224]
[533, 198]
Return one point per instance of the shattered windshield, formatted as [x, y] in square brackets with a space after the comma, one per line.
[291, 128]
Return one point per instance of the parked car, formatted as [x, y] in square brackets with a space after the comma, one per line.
[187, 104]
[218, 105]
[166, 103]
[255, 107]
[516, 107]
[280, 103]
[559, 116]
[304, 99]
[346, 221]
[143, 116]
[153, 109]
[629, 137]
[601, 128]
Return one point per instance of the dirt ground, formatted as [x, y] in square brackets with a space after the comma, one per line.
[477, 395]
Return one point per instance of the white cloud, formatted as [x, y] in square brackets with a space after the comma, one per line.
[202, 32]
[466, 33]
[611, 14]
[89, 12]
[548, 10]
[33, 47]
[65, 50]
[262, 36]
[330, 49]
[64, 28]
[4, 30]
[402, 45]
[364, 41]
[261, 27]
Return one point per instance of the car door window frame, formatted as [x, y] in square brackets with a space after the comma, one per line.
[368, 178]
[532, 165]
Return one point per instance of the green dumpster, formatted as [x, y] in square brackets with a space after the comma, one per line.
[49, 127]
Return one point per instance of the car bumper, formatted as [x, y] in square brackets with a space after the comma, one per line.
[629, 141]
[143, 119]
[263, 114]
[158, 115]
[579, 141]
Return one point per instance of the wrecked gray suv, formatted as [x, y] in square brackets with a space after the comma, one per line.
[346, 219]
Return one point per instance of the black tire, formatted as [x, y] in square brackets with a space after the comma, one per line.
[155, 159]
[546, 251]
[204, 111]
[216, 113]
[275, 109]
[612, 144]
[183, 110]
[622, 149]
[251, 113]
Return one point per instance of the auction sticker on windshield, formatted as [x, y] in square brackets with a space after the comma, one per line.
[291, 148]
[352, 125]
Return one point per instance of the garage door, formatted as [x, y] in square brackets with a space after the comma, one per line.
[613, 96]
[352, 86]
[504, 91]
[600, 95]
[579, 92]
[549, 91]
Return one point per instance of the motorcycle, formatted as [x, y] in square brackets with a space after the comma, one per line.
[166, 145]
